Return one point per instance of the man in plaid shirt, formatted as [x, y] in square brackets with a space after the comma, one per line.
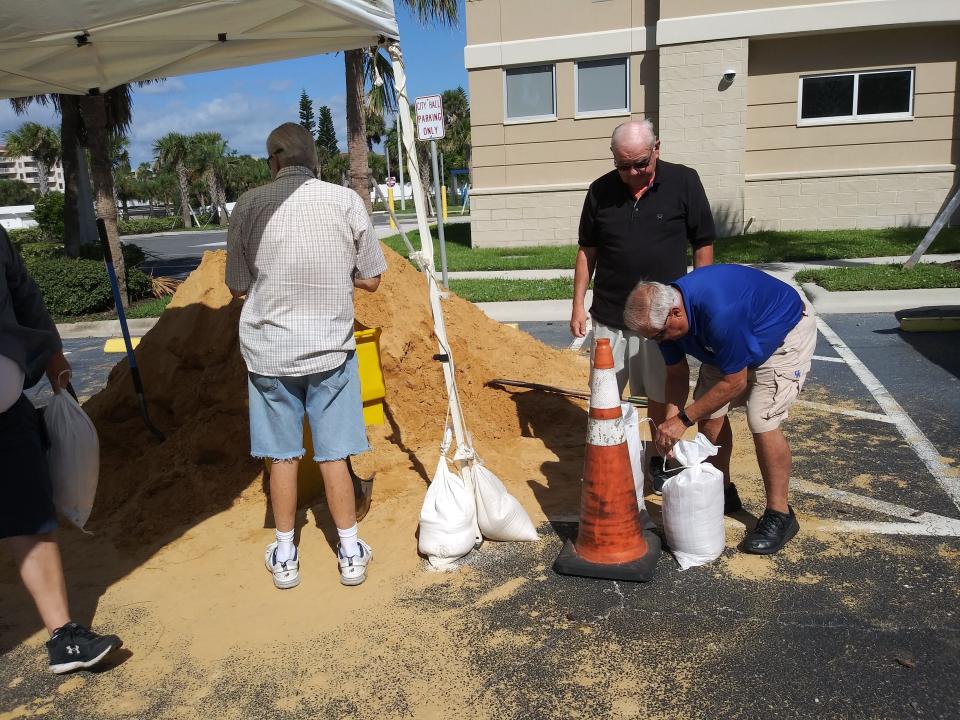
[297, 248]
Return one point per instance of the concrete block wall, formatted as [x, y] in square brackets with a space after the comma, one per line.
[862, 201]
[703, 120]
[526, 218]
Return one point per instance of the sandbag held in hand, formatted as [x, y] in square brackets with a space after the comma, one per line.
[693, 505]
[447, 517]
[499, 514]
[73, 457]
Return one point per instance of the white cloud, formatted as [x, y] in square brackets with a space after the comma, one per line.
[279, 85]
[170, 85]
[9, 120]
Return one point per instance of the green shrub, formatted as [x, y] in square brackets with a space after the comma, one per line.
[20, 236]
[16, 192]
[133, 255]
[40, 250]
[48, 212]
[149, 225]
[81, 287]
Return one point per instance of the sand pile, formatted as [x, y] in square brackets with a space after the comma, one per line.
[195, 381]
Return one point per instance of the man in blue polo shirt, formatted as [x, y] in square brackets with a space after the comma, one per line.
[755, 337]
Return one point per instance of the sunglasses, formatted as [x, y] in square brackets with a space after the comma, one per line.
[638, 165]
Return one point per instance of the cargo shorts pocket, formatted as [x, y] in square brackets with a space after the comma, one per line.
[787, 384]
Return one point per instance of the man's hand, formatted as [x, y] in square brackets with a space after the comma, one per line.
[368, 284]
[578, 321]
[668, 432]
[58, 371]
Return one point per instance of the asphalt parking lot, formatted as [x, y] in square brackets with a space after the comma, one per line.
[858, 618]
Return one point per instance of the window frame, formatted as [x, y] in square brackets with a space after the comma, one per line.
[854, 118]
[617, 112]
[520, 120]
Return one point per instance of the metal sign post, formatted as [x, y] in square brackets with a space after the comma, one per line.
[396, 124]
[430, 127]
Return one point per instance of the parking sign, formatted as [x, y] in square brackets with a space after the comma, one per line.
[429, 110]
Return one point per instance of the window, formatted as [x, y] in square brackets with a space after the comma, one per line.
[603, 86]
[856, 97]
[530, 93]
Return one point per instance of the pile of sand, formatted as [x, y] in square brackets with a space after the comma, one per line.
[195, 382]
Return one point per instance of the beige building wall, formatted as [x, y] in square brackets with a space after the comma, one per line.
[863, 174]
[703, 120]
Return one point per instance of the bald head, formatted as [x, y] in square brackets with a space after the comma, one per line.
[637, 134]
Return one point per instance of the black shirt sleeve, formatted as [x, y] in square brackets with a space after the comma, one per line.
[700, 227]
[588, 216]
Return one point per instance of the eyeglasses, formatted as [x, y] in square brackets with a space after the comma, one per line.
[639, 165]
[659, 337]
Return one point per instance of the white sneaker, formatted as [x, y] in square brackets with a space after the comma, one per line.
[285, 574]
[353, 570]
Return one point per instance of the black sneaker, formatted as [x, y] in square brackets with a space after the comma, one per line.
[658, 474]
[772, 532]
[731, 499]
[73, 647]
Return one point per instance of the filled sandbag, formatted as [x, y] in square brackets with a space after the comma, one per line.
[499, 514]
[73, 458]
[447, 518]
[693, 505]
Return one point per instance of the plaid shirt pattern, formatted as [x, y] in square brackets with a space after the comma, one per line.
[294, 247]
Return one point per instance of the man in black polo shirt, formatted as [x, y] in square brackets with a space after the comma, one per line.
[635, 225]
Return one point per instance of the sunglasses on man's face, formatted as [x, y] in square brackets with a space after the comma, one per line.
[639, 165]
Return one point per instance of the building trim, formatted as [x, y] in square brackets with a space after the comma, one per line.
[797, 19]
[843, 172]
[559, 47]
[516, 189]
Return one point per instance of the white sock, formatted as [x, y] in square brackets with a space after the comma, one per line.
[348, 541]
[285, 547]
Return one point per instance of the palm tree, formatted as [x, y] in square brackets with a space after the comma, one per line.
[208, 157]
[40, 142]
[172, 152]
[359, 66]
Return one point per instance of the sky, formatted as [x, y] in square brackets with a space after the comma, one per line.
[245, 104]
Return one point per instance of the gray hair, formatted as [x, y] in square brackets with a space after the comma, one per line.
[640, 129]
[648, 306]
[292, 144]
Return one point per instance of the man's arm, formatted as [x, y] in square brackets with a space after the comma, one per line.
[678, 387]
[237, 275]
[702, 256]
[368, 284]
[582, 272]
[716, 397]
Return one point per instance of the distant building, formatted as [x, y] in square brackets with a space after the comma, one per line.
[23, 167]
[825, 114]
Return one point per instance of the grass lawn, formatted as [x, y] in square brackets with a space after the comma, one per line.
[510, 290]
[884, 277]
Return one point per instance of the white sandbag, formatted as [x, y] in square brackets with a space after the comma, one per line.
[447, 517]
[499, 514]
[631, 427]
[73, 457]
[693, 505]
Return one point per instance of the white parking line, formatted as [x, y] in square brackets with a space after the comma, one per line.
[908, 428]
[863, 414]
[824, 358]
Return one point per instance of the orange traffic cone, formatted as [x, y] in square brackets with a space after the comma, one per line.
[611, 542]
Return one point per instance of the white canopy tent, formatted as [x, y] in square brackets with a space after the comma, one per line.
[83, 46]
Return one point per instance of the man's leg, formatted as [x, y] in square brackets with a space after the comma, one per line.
[338, 486]
[775, 460]
[283, 493]
[717, 431]
[38, 560]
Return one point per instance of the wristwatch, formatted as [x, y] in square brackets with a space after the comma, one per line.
[684, 418]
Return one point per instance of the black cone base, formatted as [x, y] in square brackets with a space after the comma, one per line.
[569, 563]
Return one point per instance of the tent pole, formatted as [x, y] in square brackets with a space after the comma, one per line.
[464, 453]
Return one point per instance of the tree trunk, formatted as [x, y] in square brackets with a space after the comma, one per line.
[69, 121]
[357, 126]
[95, 118]
[42, 172]
[184, 193]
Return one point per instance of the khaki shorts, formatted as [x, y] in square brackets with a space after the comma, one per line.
[636, 360]
[773, 386]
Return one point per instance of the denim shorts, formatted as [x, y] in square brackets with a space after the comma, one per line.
[331, 401]
[26, 494]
